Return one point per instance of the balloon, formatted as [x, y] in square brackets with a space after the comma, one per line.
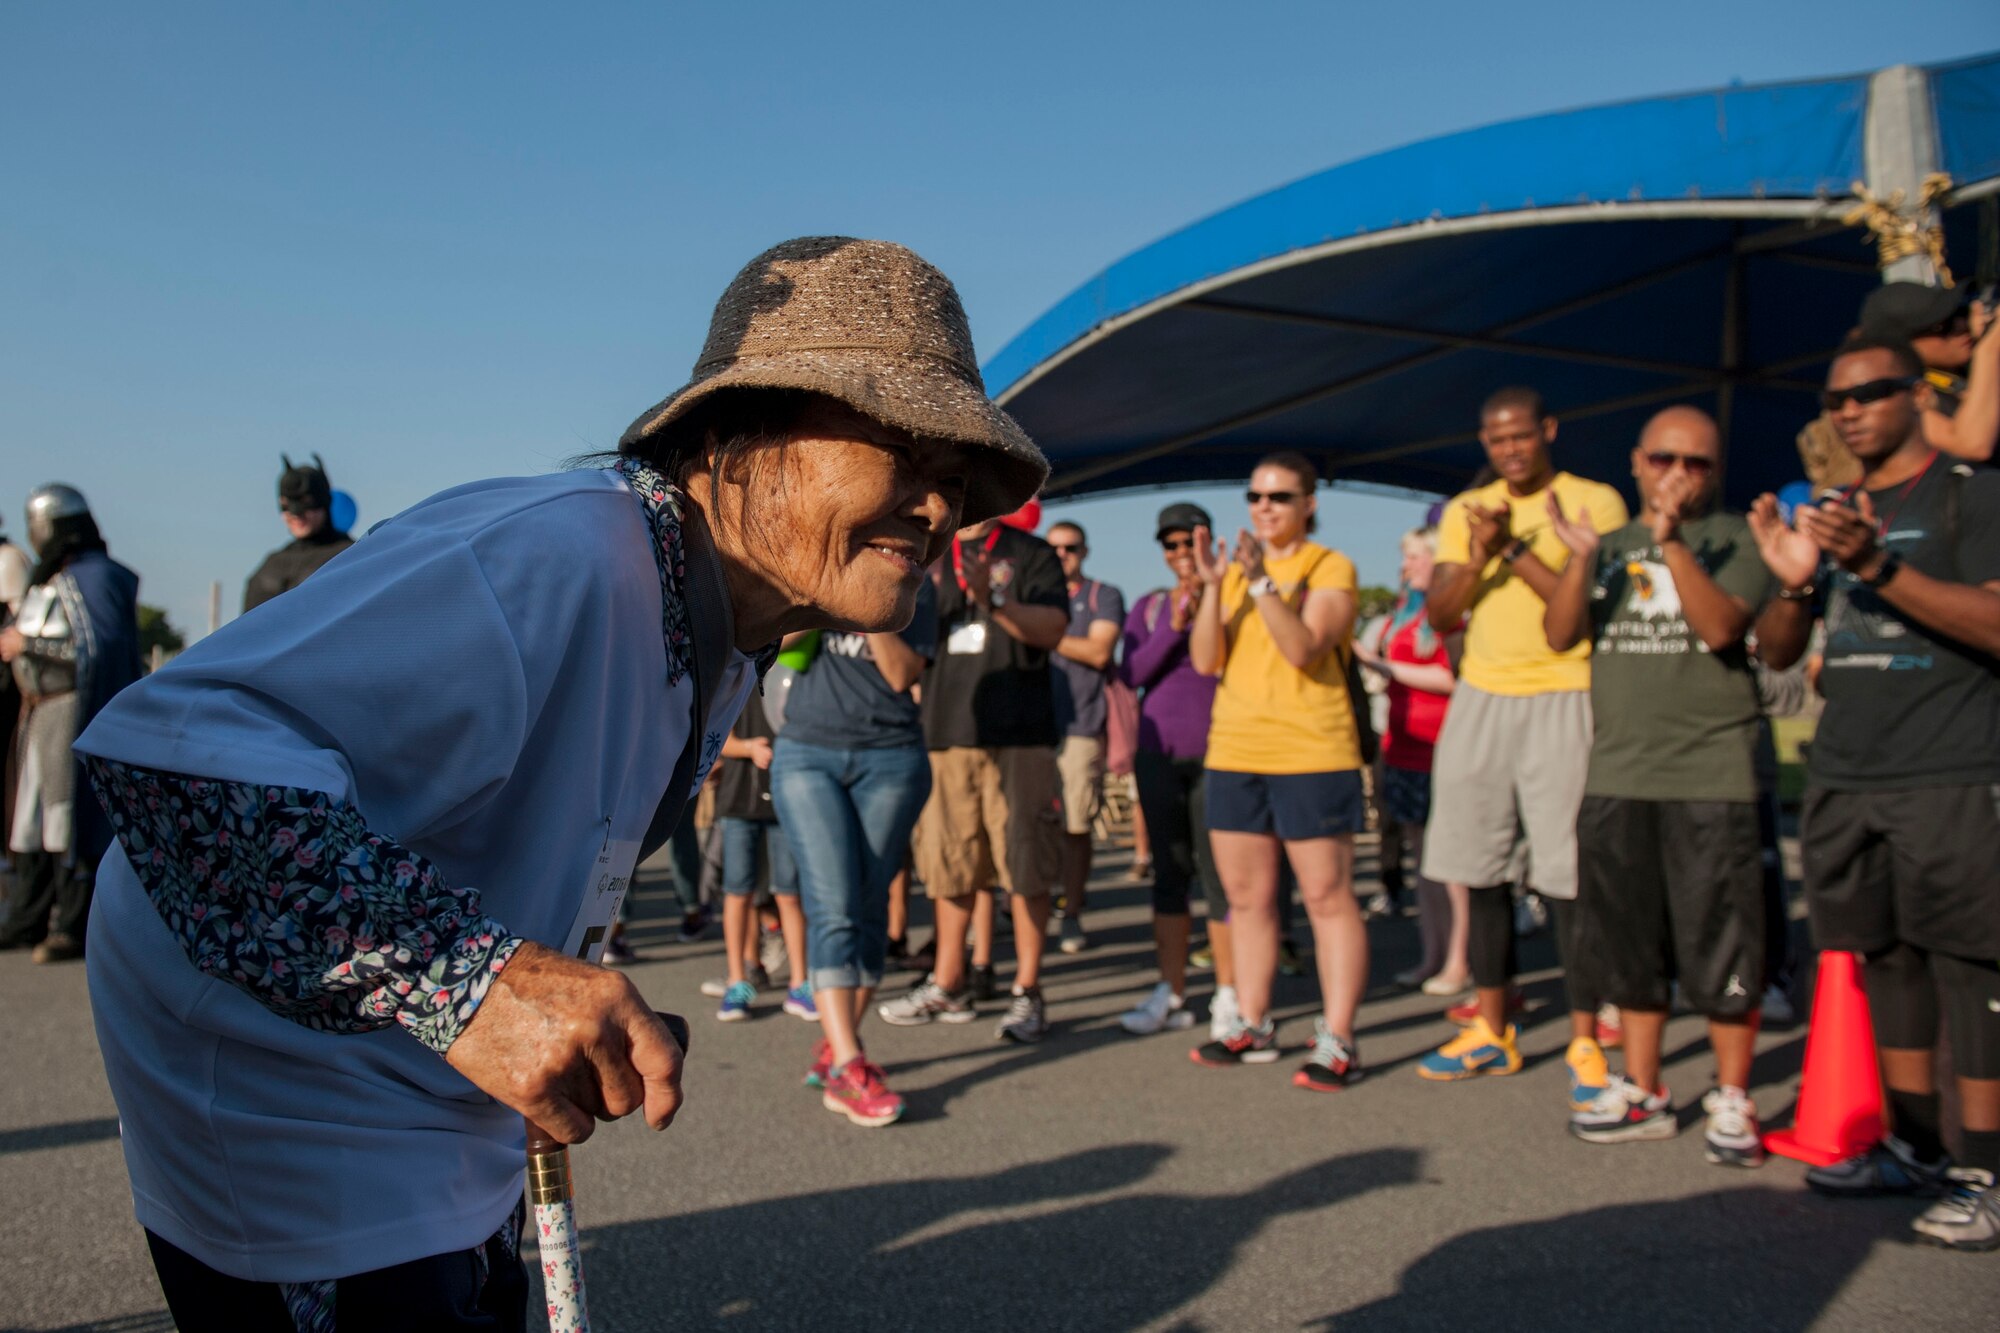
[1027, 518]
[1791, 496]
[344, 512]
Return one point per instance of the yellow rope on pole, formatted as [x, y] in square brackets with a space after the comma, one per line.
[1900, 230]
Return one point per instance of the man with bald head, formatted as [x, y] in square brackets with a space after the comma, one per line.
[1669, 873]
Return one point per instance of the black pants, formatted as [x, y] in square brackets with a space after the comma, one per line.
[43, 883]
[440, 1293]
[1171, 792]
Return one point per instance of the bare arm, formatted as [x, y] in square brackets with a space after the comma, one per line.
[1969, 434]
[899, 663]
[1452, 589]
[1094, 649]
[1784, 627]
[1566, 618]
[1302, 637]
[1208, 644]
[1717, 619]
[1967, 612]
[1036, 626]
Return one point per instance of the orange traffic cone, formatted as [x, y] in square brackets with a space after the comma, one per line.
[1839, 1111]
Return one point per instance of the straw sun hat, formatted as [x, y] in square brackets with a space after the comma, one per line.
[873, 325]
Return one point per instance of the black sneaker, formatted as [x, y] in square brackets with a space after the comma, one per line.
[1887, 1168]
[984, 987]
[1244, 1045]
[1027, 1021]
[694, 925]
[1331, 1066]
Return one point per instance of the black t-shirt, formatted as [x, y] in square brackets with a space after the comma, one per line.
[743, 790]
[985, 688]
[1906, 705]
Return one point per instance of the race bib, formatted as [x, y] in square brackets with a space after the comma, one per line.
[967, 640]
[609, 879]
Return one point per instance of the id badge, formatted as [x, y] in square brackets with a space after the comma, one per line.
[968, 640]
[610, 877]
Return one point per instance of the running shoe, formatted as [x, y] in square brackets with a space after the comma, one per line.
[1475, 1051]
[1223, 1014]
[1332, 1065]
[822, 1065]
[1467, 1012]
[984, 987]
[1027, 1021]
[1733, 1136]
[1289, 962]
[1202, 959]
[715, 987]
[1378, 905]
[617, 953]
[736, 1002]
[1777, 1008]
[926, 1001]
[1073, 938]
[1243, 1045]
[1589, 1074]
[856, 1090]
[1161, 1010]
[758, 976]
[1888, 1167]
[694, 925]
[1968, 1216]
[1624, 1112]
[799, 1003]
[1442, 985]
[1610, 1027]
[771, 952]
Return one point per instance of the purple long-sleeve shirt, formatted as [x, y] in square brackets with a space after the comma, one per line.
[1174, 698]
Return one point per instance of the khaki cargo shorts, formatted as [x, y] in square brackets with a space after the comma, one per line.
[1080, 762]
[994, 818]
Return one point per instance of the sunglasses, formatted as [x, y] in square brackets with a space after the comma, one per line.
[1177, 544]
[1275, 497]
[1874, 391]
[1663, 459]
[1945, 328]
[1065, 548]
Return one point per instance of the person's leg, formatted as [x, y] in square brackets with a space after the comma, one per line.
[202, 1300]
[1194, 781]
[1173, 869]
[1457, 962]
[1717, 904]
[684, 857]
[75, 886]
[1142, 844]
[785, 893]
[983, 908]
[1325, 870]
[1970, 994]
[1248, 865]
[813, 807]
[886, 790]
[1490, 949]
[1024, 796]
[954, 857]
[739, 838]
[1080, 768]
[1476, 836]
[1902, 1002]
[899, 909]
[35, 874]
[954, 918]
[1551, 767]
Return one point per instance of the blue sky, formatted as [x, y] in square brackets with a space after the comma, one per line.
[448, 241]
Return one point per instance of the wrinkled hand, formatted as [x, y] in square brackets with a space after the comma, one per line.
[1791, 556]
[1670, 504]
[1575, 533]
[1210, 564]
[567, 1043]
[1490, 529]
[1849, 535]
[12, 641]
[1249, 554]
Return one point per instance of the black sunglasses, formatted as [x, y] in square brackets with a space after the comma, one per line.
[1696, 464]
[1275, 497]
[1176, 543]
[1960, 322]
[1064, 548]
[1874, 391]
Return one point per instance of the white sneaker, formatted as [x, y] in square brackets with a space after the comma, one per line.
[1732, 1136]
[1447, 985]
[715, 987]
[1162, 1010]
[1223, 1015]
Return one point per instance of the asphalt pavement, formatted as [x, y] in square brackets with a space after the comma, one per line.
[1096, 1181]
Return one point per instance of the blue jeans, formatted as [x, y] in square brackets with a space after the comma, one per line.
[746, 843]
[855, 810]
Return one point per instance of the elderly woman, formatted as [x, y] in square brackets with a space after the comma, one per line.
[371, 835]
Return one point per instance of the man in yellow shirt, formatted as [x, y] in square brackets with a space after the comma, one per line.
[1514, 752]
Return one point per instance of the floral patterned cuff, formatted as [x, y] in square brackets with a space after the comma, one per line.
[286, 894]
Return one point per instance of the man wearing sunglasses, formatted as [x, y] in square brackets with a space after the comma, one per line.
[1899, 825]
[1669, 863]
[1949, 331]
[1508, 770]
[1079, 666]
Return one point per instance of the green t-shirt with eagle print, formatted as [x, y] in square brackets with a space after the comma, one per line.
[1673, 721]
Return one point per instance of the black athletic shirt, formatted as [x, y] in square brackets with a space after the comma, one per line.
[1906, 706]
[999, 694]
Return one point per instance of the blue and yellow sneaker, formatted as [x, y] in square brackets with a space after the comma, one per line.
[736, 1002]
[799, 1003]
[1589, 1072]
[1475, 1051]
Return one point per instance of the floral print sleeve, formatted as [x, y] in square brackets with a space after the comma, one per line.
[287, 894]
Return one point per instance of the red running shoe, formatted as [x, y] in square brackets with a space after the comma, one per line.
[1464, 1014]
[822, 1064]
[856, 1090]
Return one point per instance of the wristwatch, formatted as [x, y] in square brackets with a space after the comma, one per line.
[1891, 564]
[1514, 550]
[1267, 584]
[1797, 594]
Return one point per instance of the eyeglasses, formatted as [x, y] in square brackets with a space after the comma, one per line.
[1696, 464]
[1275, 497]
[1065, 548]
[1177, 544]
[1874, 391]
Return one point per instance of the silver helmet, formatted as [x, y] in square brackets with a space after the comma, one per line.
[48, 503]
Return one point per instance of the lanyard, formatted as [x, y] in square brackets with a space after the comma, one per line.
[958, 560]
[1902, 496]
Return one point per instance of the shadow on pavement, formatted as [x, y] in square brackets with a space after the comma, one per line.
[64, 1135]
[877, 1256]
[1702, 1262]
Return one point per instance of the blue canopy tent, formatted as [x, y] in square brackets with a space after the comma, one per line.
[1680, 249]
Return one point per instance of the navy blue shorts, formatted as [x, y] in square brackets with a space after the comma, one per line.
[1294, 806]
[1405, 794]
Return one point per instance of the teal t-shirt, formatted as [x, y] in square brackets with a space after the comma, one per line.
[1673, 721]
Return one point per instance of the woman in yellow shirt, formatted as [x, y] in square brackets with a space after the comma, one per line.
[1284, 761]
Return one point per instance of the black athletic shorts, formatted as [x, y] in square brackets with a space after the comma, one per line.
[1920, 867]
[1671, 890]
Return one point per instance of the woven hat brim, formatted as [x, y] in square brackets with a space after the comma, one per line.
[927, 398]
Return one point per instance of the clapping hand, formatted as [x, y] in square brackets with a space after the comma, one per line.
[1790, 555]
[1849, 535]
[976, 572]
[1490, 529]
[1249, 554]
[1677, 491]
[1575, 533]
[1209, 561]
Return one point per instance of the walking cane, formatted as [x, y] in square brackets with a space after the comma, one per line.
[554, 1198]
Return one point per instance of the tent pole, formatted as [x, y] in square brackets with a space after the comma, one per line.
[1901, 147]
[1732, 358]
